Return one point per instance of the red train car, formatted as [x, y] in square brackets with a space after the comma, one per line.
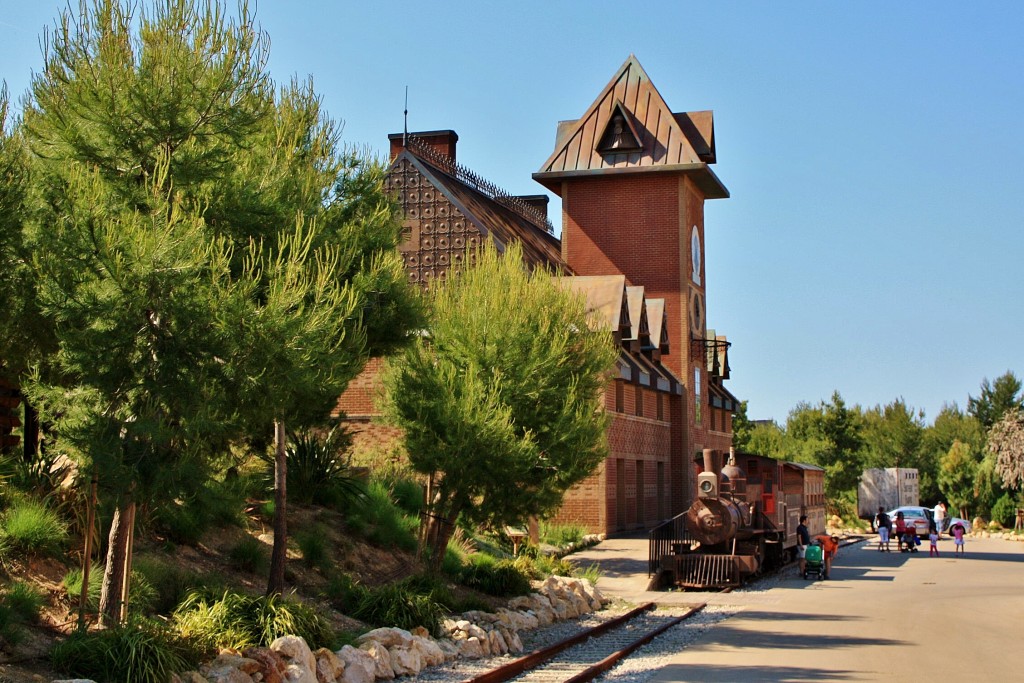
[742, 522]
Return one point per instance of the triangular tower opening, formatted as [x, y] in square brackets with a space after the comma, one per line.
[619, 134]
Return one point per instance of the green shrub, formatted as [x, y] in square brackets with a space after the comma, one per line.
[20, 604]
[248, 555]
[72, 584]
[380, 521]
[170, 583]
[312, 543]
[408, 495]
[29, 527]
[433, 587]
[1005, 510]
[344, 593]
[591, 573]
[501, 578]
[541, 566]
[238, 621]
[561, 535]
[141, 651]
[181, 523]
[142, 595]
[401, 606]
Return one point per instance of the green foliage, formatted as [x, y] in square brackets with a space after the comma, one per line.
[400, 605]
[538, 565]
[501, 578]
[591, 573]
[561, 535]
[237, 621]
[20, 605]
[170, 582]
[958, 474]
[407, 494]
[996, 399]
[344, 593]
[29, 527]
[248, 555]
[312, 543]
[501, 402]
[380, 520]
[72, 585]
[142, 651]
[320, 472]
[1005, 510]
[831, 435]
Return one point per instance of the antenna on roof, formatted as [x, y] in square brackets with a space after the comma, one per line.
[405, 124]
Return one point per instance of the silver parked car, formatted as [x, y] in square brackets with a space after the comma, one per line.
[921, 518]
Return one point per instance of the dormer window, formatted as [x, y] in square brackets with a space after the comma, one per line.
[619, 135]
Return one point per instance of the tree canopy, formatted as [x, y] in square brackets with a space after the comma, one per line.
[207, 259]
[995, 399]
[1006, 443]
[500, 401]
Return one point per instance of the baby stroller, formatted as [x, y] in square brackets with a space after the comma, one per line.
[814, 561]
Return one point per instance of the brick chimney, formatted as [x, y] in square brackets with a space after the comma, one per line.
[441, 141]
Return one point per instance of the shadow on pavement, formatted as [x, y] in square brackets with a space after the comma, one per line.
[686, 672]
[795, 641]
[784, 616]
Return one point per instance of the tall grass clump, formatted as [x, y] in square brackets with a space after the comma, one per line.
[561, 535]
[312, 543]
[248, 555]
[400, 605]
[381, 521]
[28, 527]
[500, 578]
[20, 605]
[141, 651]
[171, 583]
[142, 593]
[237, 621]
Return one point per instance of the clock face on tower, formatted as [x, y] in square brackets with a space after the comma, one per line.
[696, 314]
[695, 255]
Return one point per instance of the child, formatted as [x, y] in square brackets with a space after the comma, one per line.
[958, 539]
[933, 542]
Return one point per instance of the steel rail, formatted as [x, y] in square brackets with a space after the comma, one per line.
[595, 670]
[538, 657]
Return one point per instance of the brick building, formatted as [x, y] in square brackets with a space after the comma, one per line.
[633, 177]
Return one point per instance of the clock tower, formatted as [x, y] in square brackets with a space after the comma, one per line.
[633, 177]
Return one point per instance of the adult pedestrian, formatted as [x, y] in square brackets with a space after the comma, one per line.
[829, 548]
[884, 525]
[940, 516]
[803, 539]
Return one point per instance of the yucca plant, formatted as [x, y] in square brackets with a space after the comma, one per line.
[319, 471]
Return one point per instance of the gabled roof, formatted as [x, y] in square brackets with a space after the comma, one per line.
[670, 142]
[606, 298]
[657, 322]
[639, 331]
[492, 219]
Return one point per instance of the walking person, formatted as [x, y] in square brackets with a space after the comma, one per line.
[884, 525]
[901, 532]
[940, 516]
[803, 539]
[933, 541]
[958, 540]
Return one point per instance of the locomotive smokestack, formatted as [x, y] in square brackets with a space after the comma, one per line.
[713, 461]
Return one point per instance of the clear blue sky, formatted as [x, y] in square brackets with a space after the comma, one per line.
[874, 152]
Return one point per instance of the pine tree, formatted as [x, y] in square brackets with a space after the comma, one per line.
[208, 260]
[501, 401]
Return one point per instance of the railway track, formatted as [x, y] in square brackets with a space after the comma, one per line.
[588, 654]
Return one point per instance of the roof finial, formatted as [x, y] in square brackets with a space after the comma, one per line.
[405, 124]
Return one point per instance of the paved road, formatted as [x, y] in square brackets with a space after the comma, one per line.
[883, 617]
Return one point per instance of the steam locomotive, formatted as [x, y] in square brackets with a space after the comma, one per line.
[743, 521]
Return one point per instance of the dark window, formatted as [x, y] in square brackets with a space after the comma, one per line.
[620, 399]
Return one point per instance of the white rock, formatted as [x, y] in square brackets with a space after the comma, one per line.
[359, 666]
[388, 637]
[406, 661]
[329, 667]
[430, 652]
[515, 645]
[497, 643]
[299, 659]
[381, 658]
[449, 648]
[470, 648]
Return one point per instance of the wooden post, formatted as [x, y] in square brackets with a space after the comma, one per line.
[83, 599]
[126, 579]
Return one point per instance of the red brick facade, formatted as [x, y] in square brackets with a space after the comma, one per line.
[631, 207]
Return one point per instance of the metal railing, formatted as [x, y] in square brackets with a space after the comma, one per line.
[668, 538]
[484, 187]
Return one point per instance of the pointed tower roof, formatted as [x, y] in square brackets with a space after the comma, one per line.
[629, 128]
